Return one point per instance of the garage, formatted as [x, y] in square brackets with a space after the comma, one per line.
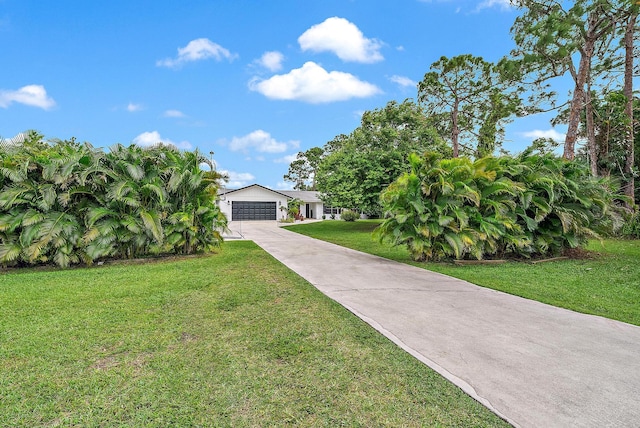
[251, 210]
[256, 202]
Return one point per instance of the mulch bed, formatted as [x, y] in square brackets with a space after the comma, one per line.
[569, 254]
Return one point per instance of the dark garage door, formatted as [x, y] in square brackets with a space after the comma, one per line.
[241, 210]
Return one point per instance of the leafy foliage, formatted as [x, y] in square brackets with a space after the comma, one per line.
[293, 208]
[631, 228]
[469, 100]
[357, 167]
[610, 134]
[575, 37]
[302, 171]
[530, 205]
[349, 215]
[69, 203]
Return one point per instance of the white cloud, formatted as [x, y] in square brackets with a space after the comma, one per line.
[403, 81]
[313, 84]
[501, 4]
[283, 185]
[173, 113]
[343, 38]
[272, 60]
[238, 179]
[197, 50]
[147, 139]
[286, 159]
[134, 107]
[549, 133]
[261, 141]
[31, 95]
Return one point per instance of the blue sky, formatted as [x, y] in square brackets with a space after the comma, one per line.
[253, 81]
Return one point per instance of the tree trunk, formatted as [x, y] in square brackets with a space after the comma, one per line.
[577, 103]
[591, 133]
[598, 24]
[454, 129]
[629, 188]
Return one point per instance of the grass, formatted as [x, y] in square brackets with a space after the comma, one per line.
[233, 339]
[607, 284]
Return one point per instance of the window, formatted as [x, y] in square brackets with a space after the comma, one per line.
[331, 210]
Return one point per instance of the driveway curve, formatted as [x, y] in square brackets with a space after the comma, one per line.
[533, 364]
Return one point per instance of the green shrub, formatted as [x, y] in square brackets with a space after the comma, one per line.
[68, 203]
[524, 206]
[349, 215]
[293, 208]
[631, 228]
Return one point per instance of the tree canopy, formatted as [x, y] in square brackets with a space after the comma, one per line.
[465, 102]
[551, 35]
[357, 167]
[469, 100]
[302, 171]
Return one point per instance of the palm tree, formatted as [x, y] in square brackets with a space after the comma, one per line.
[39, 223]
[65, 202]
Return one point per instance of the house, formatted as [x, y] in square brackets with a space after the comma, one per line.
[256, 202]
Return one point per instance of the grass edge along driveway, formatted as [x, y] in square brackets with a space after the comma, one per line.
[607, 283]
[232, 339]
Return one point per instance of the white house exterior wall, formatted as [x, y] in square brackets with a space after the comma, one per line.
[257, 193]
[316, 207]
[253, 194]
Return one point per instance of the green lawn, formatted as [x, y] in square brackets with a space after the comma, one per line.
[608, 284]
[233, 339]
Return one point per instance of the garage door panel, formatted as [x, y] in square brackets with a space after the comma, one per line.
[251, 210]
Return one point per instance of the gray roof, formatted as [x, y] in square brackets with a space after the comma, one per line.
[303, 195]
[223, 191]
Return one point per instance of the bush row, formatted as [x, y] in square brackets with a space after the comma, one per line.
[349, 215]
[524, 206]
[70, 203]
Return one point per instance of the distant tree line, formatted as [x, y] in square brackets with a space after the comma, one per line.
[463, 104]
[63, 202]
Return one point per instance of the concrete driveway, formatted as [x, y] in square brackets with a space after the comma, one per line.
[533, 364]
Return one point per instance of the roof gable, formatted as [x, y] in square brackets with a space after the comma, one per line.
[228, 191]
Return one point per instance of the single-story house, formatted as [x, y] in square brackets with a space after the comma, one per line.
[256, 202]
